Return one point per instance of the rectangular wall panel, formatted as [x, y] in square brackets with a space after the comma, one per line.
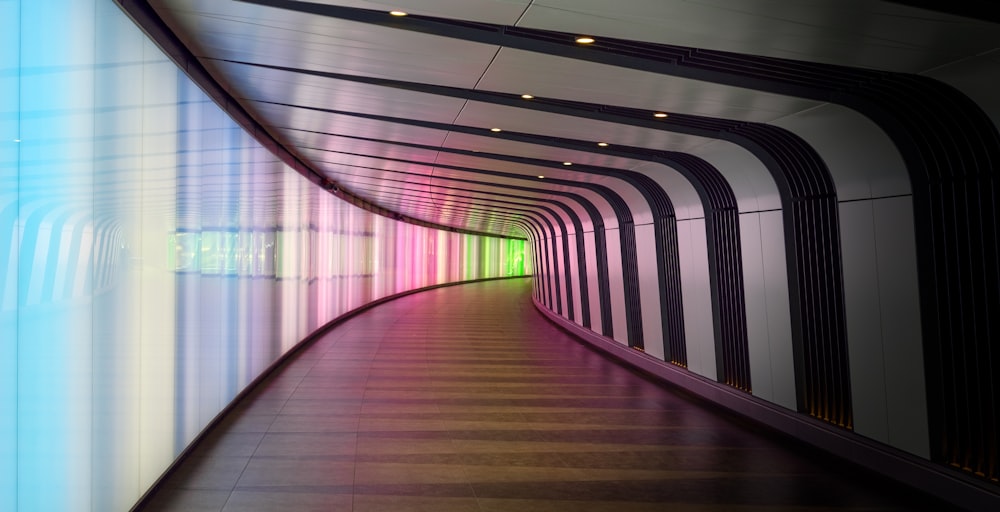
[904, 362]
[864, 327]
[769, 332]
[699, 333]
[779, 324]
[551, 266]
[574, 269]
[758, 338]
[590, 245]
[649, 290]
[616, 283]
[882, 298]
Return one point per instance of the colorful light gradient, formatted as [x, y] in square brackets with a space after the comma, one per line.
[154, 259]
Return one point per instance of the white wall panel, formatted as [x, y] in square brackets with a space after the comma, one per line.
[552, 271]
[769, 328]
[699, 333]
[649, 291]
[755, 295]
[883, 312]
[900, 310]
[574, 270]
[590, 246]
[779, 323]
[864, 326]
[616, 282]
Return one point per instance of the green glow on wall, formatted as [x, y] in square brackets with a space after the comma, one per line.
[515, 258]
[489, 245]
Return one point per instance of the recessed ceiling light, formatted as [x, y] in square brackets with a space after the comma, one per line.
[17, 140]
[398, 13]
[495, 130]
[541, 176]
[584, 39]
[660, 114]
[527, 96]
[567, 163]
[602, 144]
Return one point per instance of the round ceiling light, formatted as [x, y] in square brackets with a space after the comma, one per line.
[661, 115]
[602, 144]
[584, 39]
[527, 96]
[495, 130]
[398, 13]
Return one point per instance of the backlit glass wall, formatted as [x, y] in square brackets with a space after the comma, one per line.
[154, 259]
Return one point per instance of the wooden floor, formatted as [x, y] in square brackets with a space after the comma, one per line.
[466, 399]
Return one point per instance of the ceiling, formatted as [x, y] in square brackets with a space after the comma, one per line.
[398, 110]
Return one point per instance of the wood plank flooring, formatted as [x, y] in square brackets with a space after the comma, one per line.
[464, 398]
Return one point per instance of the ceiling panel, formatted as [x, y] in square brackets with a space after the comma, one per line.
[265, 84]
[304, 119]
[502, 12]
[503, 146]
[249, 33]
[363, 147]
[331, 158]
[862, 33]
[547, 76]
[570, 127]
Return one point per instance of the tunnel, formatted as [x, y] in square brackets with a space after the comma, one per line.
[760, 223]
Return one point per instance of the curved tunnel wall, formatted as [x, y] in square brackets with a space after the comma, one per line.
[155, 259]
[802, 333]
[870, 369]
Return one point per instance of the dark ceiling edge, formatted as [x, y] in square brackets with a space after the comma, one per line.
[983, 10]
[150, 23]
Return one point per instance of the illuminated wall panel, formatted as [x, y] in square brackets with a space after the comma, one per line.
[154, 259]
[9, 149]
